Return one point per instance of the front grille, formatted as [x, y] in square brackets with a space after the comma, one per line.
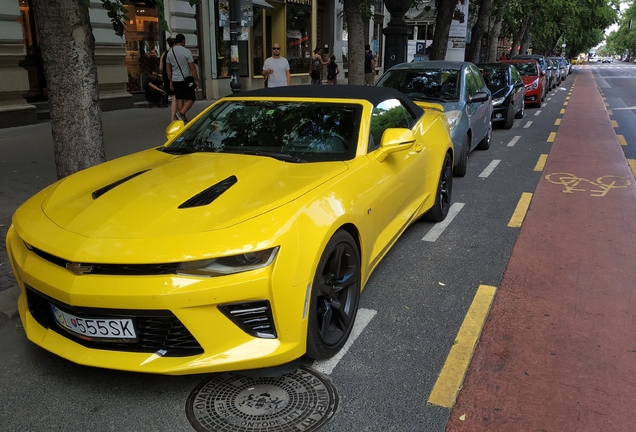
[254, 318]
[157, 330]
[111, 269]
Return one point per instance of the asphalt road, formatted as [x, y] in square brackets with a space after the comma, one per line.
[420, 292]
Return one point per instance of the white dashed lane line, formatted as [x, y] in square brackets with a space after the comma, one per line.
[439, 227]
[527, 125]
[537, 112]
[513, 141]
[363, 318]
[490, 168]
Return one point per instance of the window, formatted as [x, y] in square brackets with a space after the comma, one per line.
[471, 84]
[388, 114]
[298, 37]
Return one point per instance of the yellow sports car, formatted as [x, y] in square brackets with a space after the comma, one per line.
[242, 243]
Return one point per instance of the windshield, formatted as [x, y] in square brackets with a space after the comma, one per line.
[435, 84]
[527, 69]
[495, 76]
[289, 131]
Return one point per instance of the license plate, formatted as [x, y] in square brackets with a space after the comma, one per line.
[104, 329]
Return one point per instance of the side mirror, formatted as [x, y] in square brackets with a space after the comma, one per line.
[394, 140]
[519, 84]
[479, 97]
[174, 129]
[542, 73]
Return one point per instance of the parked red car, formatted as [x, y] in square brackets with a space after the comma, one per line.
[533, 78]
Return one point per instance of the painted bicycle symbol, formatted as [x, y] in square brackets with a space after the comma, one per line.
[604, 183]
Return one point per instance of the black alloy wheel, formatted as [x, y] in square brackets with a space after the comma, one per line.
[439, 211]
[335, 296]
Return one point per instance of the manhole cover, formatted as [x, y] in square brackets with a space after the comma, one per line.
[301, 400]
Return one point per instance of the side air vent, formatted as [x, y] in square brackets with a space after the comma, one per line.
[210, 194]
[254, 318]
[102, 191]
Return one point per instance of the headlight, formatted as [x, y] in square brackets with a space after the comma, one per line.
[228, 265]
[453, 118]
[533, 86]
[498, 101]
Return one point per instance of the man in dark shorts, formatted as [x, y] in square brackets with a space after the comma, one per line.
[181, 67]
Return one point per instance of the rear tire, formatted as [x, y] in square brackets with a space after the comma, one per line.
[335, 294]
[439, 211]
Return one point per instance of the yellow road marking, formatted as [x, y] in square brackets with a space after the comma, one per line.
[562, 111]
[606, 104]
[609, 112]
[632, 165]
[557, 122]
[567, 98]
[521, 210]
[602, 185]
[622, 140]
[565, 103]
[614, 123]
[604, 98]
[451, 377]
[552, 137]
[541, 162]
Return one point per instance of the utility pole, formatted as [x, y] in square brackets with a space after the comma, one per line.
[235, 13]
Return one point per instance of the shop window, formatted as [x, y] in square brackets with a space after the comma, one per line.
[143, 49]
[299, 47]
[258, 55]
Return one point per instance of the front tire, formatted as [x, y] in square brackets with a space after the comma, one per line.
[462, 162]
[484, 144]
[439, 211]
[510, 117]
[522, 111]
[335, 295]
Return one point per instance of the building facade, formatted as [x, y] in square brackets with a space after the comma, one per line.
[124, 63]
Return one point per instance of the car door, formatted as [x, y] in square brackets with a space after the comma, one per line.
[396, 189]
[519, 89]
[479, 113]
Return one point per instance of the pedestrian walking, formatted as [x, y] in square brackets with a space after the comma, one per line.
[369, 65]
[276, 69]
[166, 80]
[315, 69]
[332, 71]
[155, 94]
[183, 76]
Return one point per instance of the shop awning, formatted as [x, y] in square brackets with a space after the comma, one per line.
[263, 4]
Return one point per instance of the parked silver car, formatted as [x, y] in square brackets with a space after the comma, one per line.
[460, 89]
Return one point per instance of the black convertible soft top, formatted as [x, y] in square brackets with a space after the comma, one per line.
[375, 95]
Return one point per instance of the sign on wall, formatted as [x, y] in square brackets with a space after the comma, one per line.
[456, 49]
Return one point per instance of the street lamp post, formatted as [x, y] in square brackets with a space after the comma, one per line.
[235, 13]
[396, 33]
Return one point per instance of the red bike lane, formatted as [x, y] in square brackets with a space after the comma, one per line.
[558, 350]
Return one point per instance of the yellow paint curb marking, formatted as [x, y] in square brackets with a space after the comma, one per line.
[557, 122]
[606, 104]
[604, 98]
[552, 137]
[632, 165]
[565, 103]
[451, 377]
[541, 162]
[609, 112]
[614, 123]
[520, 211]
[622, 140]
[567, 98]
[562, 111]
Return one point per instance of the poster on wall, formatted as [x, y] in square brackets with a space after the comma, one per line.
[246, 17]
[456, 49]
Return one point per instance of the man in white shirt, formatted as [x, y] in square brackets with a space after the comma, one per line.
[180, 67]
[276, 69]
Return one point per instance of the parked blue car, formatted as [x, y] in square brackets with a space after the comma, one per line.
[508, 92]
[460, 89]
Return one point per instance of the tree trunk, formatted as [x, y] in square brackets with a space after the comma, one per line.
[477, 33]
[493, 40]
[356, 43]
[525, 41]
[68, 46]
[445, 10]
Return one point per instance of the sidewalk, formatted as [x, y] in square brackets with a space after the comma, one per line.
[27, 165]
[558, 352]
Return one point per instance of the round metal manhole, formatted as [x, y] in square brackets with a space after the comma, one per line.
[302, 400]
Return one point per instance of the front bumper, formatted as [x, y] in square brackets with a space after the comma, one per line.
[180, 317]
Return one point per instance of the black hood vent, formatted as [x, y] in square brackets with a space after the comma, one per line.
[210, 194]
[102, 191]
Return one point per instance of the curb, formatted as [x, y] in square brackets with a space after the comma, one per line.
[9, 303]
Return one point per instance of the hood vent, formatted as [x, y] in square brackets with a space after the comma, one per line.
[210, 194]
[102, 191]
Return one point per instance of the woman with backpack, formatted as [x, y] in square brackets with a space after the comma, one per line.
[317, 63]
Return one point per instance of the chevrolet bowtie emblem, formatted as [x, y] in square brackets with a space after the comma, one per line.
[79, 268]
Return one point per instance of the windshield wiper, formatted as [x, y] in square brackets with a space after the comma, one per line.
[280, 156]
[178, 150]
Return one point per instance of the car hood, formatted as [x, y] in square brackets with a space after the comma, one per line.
[529, 79]
[498, 91]
[153, 193]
